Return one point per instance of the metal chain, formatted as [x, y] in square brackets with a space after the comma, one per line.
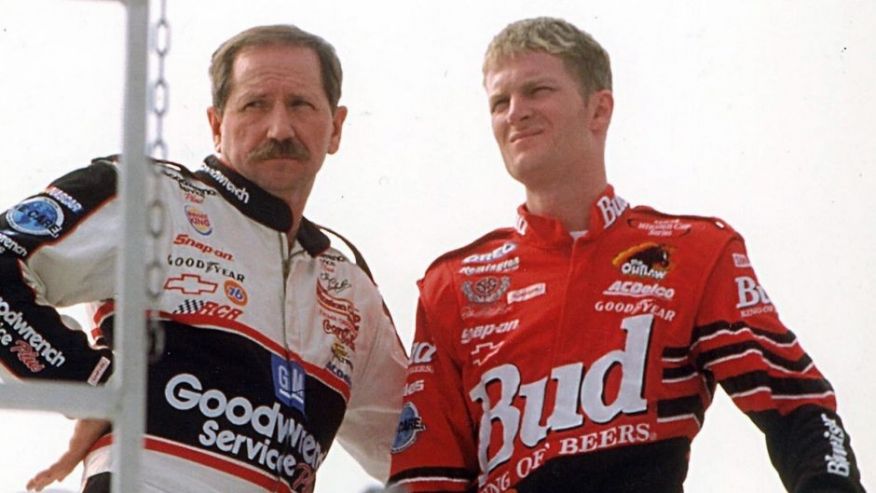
[159, 104]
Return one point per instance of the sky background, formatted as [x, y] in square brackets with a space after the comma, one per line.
[761, 112]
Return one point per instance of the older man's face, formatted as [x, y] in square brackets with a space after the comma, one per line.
[277, 125]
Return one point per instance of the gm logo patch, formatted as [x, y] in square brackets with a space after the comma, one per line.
[39, 216]
[289, 379]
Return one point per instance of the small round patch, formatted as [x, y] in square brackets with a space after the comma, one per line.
[235, 292]
[199, 220]
[39, 216]
[409, 425]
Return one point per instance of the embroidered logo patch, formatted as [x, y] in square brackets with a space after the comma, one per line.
[39, 216]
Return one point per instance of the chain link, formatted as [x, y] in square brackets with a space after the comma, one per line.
[159, 104]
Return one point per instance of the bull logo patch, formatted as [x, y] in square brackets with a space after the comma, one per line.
[649, 260]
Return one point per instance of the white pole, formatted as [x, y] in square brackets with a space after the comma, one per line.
[130, 363]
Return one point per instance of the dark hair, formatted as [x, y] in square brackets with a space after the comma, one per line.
[222, 61]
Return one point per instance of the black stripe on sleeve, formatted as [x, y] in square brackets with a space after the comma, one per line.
[779, 386]
[709, 357]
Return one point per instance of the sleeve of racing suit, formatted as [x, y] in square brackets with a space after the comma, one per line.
[57, 249]
[369, 422]
[435, 447]
[740, 342]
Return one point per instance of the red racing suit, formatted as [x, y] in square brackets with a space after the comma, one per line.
[543, 363]
[269, 353]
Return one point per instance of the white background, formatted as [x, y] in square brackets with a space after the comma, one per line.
[758, 111]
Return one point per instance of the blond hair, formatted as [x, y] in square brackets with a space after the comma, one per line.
[583, 56]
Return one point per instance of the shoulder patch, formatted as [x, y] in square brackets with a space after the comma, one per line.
[38, 216]
[663, 225]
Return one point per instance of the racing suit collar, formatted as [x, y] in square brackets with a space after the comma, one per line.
[605, 212]
[259, 205]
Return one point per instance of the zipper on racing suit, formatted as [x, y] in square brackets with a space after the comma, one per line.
[285, 255]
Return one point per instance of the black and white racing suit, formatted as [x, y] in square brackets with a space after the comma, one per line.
[269, 351]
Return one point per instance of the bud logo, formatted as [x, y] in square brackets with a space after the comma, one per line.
[741, 260]
[753, 299]
[573, 381]
[481, 258]
[39, 216]
[645, 260]
[611, 208]
[409, 425]
[199, 220]
[638, 290]
[486, 290]
[838, 461]
[289, 379]
[235, 292]
[422, 353]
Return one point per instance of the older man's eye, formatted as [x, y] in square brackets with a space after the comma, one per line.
[254, 104]
[300, 103]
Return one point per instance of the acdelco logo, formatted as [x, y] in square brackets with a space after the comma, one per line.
[635, 289]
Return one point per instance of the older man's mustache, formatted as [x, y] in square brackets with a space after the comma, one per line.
[279, 149]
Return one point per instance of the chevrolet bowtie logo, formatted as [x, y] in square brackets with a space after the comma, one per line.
[488, 349]
[190, 284]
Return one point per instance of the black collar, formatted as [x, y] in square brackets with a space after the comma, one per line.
[259, 205]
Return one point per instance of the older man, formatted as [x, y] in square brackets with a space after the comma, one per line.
[579, 350]
[275, 343]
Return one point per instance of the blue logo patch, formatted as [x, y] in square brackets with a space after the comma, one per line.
[39, 216]
[409, 424]
[289, 380]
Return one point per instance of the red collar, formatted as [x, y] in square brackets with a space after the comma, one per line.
[605, 212]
